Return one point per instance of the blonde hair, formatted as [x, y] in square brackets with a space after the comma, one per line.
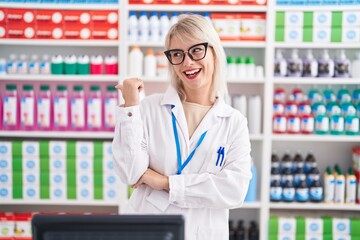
[193, 27]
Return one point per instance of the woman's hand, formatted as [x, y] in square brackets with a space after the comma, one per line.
[130, 89]
[154, 180]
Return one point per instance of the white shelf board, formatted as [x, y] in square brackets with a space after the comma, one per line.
[315, 138]
[58, 134]
[62, 42]
[256, 137]
[313, 8]
[317, 45]
[196, 8]
[250, 205]
[315, 206]
[87, 6]
[63, 78]
[247, 81]
[62, 203]
[226, 44]
[305, 80]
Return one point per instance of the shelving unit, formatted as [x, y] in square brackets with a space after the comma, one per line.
[262, 144]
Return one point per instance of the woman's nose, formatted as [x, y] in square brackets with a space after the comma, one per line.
[187, 59]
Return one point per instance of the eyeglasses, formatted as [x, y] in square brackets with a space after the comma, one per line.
[195, 52]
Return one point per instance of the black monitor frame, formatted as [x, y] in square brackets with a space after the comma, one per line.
[108, 227]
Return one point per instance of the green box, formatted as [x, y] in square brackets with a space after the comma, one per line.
[308, 34]
[336, 19]
[280, 34]
[327, 226]
[300, 226]
[274, 225]
[336, 35]
[300, 236]
[280, 19]
[355, 227]
[308, 19]
[273, 237]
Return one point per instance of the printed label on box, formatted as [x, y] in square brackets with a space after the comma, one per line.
[58, 193]
[351, 34]
[322, 19]
[294, 19]
[287, 225]
[314, 226]
[31, 192]
[57, 148]
[57, 164]
[351, 18]
[322, 35]
[293, 34]
[30, 163]
[5, 163]
[341, 226]
[30, 148]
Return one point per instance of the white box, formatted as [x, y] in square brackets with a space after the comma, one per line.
[5, 192]
[31, 192]
[31, 178]
[6, 163]
[287, 225]
[313, 226]
[84, 179]
[321, 34]
[30, 149]
[85, 164]
[57, 148]
[84, 149]
[31, 163]
[111, 194]
[313, 237]
[351, 34]
[58, 193]
[58, 179]
[108, 165]
[287, 236]
[342, 237]
[85, 193]
[5, 148]
[57, 163]
[341, 226]
[351, 19]
[111, 179]
[293, 34]
[294, 19]
[5, 178]
[7, 228]
[322, 19]
[23, 228]
[107, 149]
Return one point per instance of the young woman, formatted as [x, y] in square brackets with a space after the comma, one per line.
[185, 151]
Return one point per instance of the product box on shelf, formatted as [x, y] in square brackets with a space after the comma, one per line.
[252, 27]
[45, 17]
[22, 227]
[351, 34]
[227, 25]
[3, 14]
[82, 18]
[77, 32]
[20, 30]
[3, 33]
[22, 16]
[49, 32]
[105, 18]
[7, 225]
[101, 32]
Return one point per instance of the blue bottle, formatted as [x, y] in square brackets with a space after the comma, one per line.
[251, 194]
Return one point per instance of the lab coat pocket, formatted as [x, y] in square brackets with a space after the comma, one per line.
[216, 157]
[159, 199]
[206, 233]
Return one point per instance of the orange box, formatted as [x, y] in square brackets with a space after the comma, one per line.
[19, 30]
[227, 25]
[76, 18]
[3, 30]
[77, 32]
[24, 16]
[105, 18]
[252, 26]
[49, 32]
[220, 2]
[49, 18]
[3, 15]
[101, 32]
[253, 2]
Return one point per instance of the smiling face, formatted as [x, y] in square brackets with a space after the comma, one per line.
[196, 76]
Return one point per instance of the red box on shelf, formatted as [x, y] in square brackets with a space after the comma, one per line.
[23, 16]
[252, 26]
[77, 32]
[220, 2]
[49, 18]
[3, 31]
[3, 13]
[227, 25]
[100, 32]
[105, 18]
[253, 2]
[143, 2]
[20, 30]
[82, 18]
[49, 32]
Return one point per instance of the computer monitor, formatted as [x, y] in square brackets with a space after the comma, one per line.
[107, 227]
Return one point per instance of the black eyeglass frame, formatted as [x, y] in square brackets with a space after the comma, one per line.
[167, 53]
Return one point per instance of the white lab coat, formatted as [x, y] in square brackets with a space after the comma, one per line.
[204, 192]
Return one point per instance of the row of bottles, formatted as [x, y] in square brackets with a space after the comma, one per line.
[295, 179]
[57, 64]
[242, 232]
[319, 111]
[243, 67]
[310, 66]
[59, 109]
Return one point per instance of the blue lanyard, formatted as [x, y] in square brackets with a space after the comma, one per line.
[180, 165]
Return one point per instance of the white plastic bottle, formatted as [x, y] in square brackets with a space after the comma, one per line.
[310, 65]
[154, 27]
[22, 66]
[150, 64]
[135, 64]
[45, 65]
[34, 65]
[254, 114]
[164, 25]
[326, 65]
[294, 65]
[355, 66]
[174, 18]
[342, 66]
[144, 30]
[280, 64]
[133, 27]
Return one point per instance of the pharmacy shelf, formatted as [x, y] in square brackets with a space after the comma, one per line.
[196, 8]
[58, 134]
[55, 6]
[226, 44]
[51, 42]
[315, 138]
[63, 203]
[247, 81]
[256, 137]
[315, 206]
[63, 78]
[250, 205]
[321, 45]
[313, 8]
[317, 81]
